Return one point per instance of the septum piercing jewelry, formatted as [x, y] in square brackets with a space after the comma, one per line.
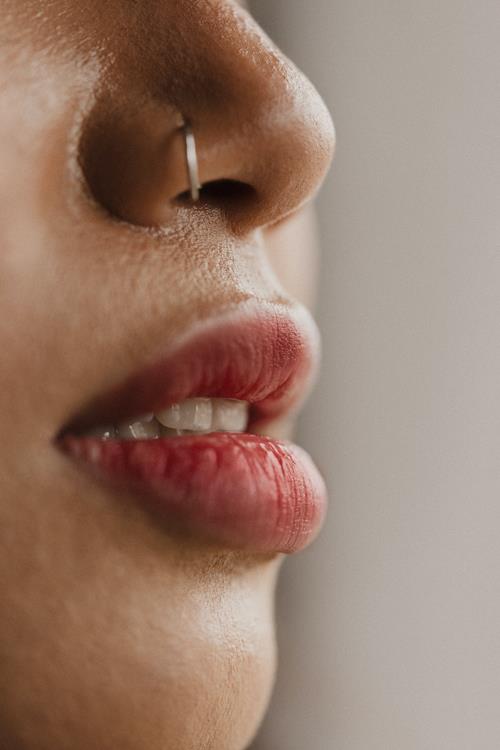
[192, 162]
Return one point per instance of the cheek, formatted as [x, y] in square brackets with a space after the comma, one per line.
[112, 636]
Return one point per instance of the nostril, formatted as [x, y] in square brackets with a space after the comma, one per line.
[231, 192]
[232, 196]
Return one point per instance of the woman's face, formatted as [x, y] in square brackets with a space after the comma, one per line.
[141, 615]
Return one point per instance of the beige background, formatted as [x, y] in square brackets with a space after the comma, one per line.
[390, 625]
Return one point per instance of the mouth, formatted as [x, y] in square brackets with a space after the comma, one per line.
[190, 436]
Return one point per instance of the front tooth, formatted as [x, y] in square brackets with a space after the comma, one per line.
[170, 417]
[229, 415]
[139, 430]
[193, 414]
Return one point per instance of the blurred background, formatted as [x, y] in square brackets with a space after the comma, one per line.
[389, 626]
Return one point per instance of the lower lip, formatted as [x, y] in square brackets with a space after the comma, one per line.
[239, 490]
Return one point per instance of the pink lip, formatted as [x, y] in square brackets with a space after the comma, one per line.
[240, 490]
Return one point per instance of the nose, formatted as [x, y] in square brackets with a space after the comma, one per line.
[264, 138]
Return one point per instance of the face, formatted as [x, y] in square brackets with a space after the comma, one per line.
[137, 568]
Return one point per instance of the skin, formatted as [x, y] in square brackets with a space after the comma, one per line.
[114, 632]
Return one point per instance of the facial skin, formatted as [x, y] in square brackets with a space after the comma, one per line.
[114, 632]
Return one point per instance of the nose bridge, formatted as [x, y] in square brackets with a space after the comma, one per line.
[229, 54]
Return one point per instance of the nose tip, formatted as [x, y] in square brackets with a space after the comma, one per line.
[264, 137]
[280, 148]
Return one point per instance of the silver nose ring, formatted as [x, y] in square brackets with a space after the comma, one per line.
[192, 162]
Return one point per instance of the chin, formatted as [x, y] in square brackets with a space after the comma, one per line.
[210, 698]
[204, 695]
[119, 638]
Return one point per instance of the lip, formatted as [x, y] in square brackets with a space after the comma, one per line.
[240, 490]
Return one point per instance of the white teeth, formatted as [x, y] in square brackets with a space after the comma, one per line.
[194, 415]
[170, 417]
[139, 430]
[206, 415]
[229, 415]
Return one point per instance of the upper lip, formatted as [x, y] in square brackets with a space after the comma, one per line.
[262, 353]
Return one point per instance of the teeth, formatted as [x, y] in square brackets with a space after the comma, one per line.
[139, 430]
[229, 415]
[168, 432]
[206, 415]
[194, 415]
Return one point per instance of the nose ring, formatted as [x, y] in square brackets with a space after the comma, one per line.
[192, 162]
